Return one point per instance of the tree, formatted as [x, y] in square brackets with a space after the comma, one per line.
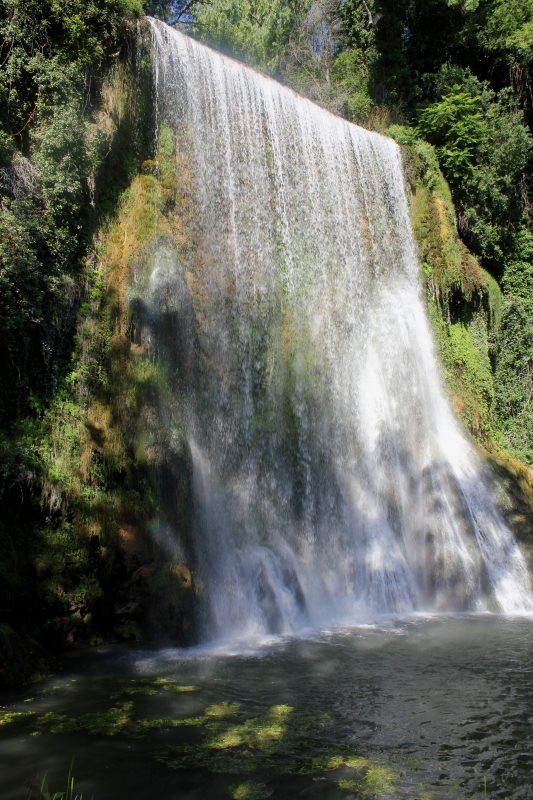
[485, 150]
[257, 32]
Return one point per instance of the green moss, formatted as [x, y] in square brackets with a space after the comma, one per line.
[165, 163]
[249, 791]
[9, 717]
[77, 450]
[495, 301]
[145, 690]
[96, 447]
[446, 266]
[172, 686]
[109, 723]
[51, 722]
[481, 335]
[463, 349]
[464, 302]
[257, 733]
[377, 781]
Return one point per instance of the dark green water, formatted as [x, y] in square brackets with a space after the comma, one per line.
[426, 709]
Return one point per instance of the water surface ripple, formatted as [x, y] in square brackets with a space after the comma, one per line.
[431, 709]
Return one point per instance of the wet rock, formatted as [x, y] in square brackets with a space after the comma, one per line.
[171, 602]
[183, 574]
[133, 545]
[22, 659]
[145, 572]
[128, 630]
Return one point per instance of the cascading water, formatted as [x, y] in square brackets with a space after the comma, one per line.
[331, 480]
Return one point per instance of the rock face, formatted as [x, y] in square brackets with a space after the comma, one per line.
[95, 557]
[22, 659]
[513, 482]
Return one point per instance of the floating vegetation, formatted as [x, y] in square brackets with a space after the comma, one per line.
[8, 717]
[172, 686]
[273, 744]
[374, 781]
[109, 723]
[249, 791]
[152, 688]
[280, 743]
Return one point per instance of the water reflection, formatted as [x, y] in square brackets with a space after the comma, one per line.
[428, 708]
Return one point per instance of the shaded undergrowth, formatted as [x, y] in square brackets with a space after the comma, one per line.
[91, 481]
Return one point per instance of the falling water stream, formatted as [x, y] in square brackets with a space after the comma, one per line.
[331, 480]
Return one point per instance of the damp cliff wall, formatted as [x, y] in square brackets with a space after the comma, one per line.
[97, 530]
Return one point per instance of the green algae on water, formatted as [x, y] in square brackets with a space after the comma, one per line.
[249, 791]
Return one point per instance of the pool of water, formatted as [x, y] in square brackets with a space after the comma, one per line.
[424, 708]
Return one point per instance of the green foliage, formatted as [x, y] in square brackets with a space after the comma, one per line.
[350, 73]
[463, 347]
[62, 158]
[485, 151]
[36, 289]
[500, 32]
[162, 8]
[454, 126]
[52, 54]
[92, 451]
[257, 32]
[7, 148]
[377, 29]
[460, 70]
[48, 48]
[58, 532]
[514, 379]
[487, 159]
[483, 337]
[518, 275]
[70, 792]
[514, 351]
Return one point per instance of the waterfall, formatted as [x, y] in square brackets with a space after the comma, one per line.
[331, 480]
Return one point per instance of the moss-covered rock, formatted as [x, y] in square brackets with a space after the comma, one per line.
[467, 311]
[464, 301]
[514, 483]
[96, 486]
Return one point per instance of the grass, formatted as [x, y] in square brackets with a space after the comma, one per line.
[40, 791]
